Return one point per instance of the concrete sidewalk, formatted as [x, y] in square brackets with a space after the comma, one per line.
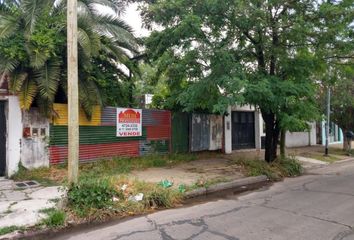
[21, 206]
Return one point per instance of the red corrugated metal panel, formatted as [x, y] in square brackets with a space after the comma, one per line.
[89, 152]
[153, 117]
[158, 132]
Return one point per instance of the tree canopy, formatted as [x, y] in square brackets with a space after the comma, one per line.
[33, 50]
[265, 53]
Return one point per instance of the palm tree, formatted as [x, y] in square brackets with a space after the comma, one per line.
[33, 48]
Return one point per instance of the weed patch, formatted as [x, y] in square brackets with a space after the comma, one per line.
[55, 218]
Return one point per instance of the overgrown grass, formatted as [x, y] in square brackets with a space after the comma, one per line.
[9, 229]
[111, 167]
[97, 199]
[46, 176]
[276, 170]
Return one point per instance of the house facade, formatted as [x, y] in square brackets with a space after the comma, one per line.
[245, 129]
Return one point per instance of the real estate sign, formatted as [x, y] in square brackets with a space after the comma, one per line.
[129, 122]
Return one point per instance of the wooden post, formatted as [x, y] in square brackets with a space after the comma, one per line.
[73, 94]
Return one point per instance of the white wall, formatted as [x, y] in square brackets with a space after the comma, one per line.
[34, 149]
[227, 134]
[302, 139]
[14, 135]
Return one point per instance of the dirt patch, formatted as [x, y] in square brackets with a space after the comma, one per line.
[192, 172]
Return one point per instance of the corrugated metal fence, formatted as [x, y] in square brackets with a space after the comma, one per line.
[98, 136]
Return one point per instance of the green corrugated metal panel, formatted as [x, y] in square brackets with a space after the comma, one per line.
[180, 132]
[147, 147]
[90, 135]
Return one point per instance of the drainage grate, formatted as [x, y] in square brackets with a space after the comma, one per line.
[27, 184]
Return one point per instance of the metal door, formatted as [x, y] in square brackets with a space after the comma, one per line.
[2, 139]
[243, 130]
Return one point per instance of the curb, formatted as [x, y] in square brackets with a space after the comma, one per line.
[226, 186]
[345, 160]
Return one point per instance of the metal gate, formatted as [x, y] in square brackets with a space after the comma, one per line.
[243, 130]
[2, 139]
[200, 134]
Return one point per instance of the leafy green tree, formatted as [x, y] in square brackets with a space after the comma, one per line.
[264, 53]
[342, 101]
[33, 49]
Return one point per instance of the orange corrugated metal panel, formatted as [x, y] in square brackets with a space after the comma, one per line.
[62, 116]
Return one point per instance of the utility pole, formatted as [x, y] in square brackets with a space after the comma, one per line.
[73, 93]
[328, 118]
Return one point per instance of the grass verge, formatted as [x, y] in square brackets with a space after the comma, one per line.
[10, 229]
[55, 175]
[276, 170]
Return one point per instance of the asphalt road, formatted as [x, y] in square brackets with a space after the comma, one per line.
[319, 205]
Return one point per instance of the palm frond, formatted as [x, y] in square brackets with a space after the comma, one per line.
[16, 81]
[8, 65]
[37, 58]
[84, 41]
[27, 94]
[9, 23]
[47, 79]
[32, 9]
[118, 7]
[89, 96]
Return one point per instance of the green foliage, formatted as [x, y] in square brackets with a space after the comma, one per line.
[269, 54]
[55, 217]
[91, 193]
[342, 104]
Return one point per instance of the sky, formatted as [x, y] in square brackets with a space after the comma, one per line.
[132, 17]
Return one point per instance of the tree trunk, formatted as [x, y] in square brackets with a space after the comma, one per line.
[276, 133]
[282, 143]
[272, 137]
